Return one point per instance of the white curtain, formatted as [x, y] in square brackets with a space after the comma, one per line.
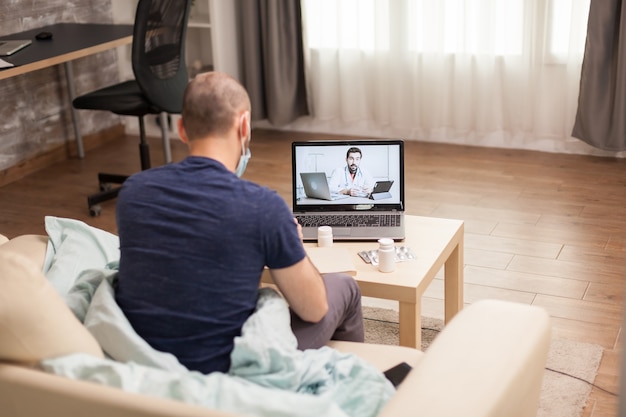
[499, 73]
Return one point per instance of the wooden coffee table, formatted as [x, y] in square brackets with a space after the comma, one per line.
[436, 243]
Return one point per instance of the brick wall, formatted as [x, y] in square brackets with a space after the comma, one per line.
[35, 111]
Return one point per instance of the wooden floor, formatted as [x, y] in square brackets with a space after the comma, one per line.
[543, 229]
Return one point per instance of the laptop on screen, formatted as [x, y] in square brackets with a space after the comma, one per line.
[356, 187]
[316, 186]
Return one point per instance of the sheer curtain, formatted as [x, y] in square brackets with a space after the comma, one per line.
[481, 72]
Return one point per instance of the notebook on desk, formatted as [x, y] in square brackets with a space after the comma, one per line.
[377, 208]
[12, 46]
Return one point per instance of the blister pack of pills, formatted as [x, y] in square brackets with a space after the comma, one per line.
[403, 254]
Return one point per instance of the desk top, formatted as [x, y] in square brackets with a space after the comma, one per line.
[69, 41]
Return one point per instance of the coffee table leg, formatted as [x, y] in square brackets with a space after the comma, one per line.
[410, 316]
[453, 282]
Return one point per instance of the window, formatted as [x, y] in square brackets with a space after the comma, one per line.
[562, 18]
[466, 26]
[473, 27]
[347, 24]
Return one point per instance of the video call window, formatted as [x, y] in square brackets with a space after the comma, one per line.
[380, 160]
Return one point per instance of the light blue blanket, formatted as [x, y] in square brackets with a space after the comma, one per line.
[269, 376]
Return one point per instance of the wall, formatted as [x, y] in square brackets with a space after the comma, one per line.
[35, 113]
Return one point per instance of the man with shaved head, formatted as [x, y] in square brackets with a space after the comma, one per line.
[195, 238]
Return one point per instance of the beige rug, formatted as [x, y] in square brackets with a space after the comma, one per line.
[561, 395]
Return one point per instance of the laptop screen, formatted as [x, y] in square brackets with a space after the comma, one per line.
[348, 175]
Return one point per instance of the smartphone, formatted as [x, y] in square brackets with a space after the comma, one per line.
[397, 374]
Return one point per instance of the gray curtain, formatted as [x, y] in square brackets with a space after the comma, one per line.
[601, 116]
[273, 59]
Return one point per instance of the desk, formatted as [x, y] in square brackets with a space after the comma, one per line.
[436, 243]
[70, 41]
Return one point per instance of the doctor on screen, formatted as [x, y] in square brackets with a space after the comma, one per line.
[351, 179]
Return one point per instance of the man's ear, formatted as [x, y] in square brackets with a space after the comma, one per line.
[245, 125]
[182, 133]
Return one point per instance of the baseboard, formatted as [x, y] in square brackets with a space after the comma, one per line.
[58, 153]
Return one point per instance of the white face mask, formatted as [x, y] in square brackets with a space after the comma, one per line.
[245, 153]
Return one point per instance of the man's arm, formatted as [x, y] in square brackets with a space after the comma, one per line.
[303, 288]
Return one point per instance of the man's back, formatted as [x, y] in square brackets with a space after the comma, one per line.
[194, 239]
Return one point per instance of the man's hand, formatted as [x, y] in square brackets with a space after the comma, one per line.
[359, 191]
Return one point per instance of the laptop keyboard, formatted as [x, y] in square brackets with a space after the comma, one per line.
[347, 220]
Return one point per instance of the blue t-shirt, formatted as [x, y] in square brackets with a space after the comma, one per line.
[194, 239]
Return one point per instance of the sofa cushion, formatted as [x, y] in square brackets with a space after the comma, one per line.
[383, 357]
[35, 323]
[33, 246]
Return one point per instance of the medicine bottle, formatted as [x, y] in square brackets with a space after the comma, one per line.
[324, 236]
[386, 255]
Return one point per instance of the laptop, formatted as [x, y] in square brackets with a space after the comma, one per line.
[316, 186]
[12, 46]
[377, 209]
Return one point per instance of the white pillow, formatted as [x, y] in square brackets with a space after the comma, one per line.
[35, 323]
[76, 248]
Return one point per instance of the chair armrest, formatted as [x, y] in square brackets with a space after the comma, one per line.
[489, 361]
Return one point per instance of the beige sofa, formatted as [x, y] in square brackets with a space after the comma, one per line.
[489, 361]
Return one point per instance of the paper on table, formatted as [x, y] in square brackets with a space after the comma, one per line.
[5, 64]
[331, 259]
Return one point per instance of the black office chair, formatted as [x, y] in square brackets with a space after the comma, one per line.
[158, 61]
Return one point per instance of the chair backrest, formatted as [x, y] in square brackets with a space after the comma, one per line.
[158, 51]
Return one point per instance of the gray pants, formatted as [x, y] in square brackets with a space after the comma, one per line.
[344, 320]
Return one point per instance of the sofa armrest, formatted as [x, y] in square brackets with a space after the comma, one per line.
[489, 361]
[28, 392]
